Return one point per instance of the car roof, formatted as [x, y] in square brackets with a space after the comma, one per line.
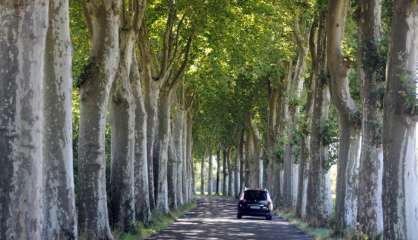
[255, 189]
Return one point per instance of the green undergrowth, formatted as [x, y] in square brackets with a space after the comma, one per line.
[315, 233]
[159, 222]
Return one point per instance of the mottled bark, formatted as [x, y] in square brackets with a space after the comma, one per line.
[186, 140]
[225, 172]
[295, 90]
[230, 173]
[316, 209]
[348, 116]
[301, 187]
[271, 135]
[305, 129]
[122, 112]
[202, 176]
[151, 96]
[142, 200]
[22, 45]
[164, 108]
[172, 173]
[59, 198]
[253, 156]
[241, 149]
[236, 173]
[210, 182]
[316, 213]
[371, 72]
[218, 171]
[190, 173]
[95, 85]
[400, 193]
[179, 143]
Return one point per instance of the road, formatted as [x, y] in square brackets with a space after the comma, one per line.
[215, 219]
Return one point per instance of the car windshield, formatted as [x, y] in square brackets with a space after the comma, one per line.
[254, 195]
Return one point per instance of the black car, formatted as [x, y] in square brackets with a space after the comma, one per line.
[255, 202]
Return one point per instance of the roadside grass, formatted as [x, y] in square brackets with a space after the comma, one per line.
[315, 233]
[159, 222]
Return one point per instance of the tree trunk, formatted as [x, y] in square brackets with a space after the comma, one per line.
[349, 121]
[186, 178]
[294, 86]
[218, 171]
[301, 177]
[202, 176]
[142, 200]
[371, 69]
[295, 91]
[316, 209]
[210, 174]
[95, 85]
[225, 173]
[151, 97]
[254, 167]
[22, 45]
[172, 174]
[190, 172]
[400, 167]
[236, 173]
[122, 112]
[161, 193]
[59, 198]
[230, 174]
[242, 163]
[179, 143]
[316, 212]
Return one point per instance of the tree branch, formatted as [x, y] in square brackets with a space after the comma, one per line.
[168, 37]
[183, 65]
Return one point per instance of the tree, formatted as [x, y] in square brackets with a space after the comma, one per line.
[95, 84]
[316, 212]
[371, 68]
[142, 200]
[122, 111]
[161, 78]
[348, 117]
[60, 211]
[210, 182]
[37, 185]
[399, 168]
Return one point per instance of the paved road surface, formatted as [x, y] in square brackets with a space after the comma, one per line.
[215, 219]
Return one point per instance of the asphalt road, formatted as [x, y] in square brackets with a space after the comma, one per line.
[215, 219]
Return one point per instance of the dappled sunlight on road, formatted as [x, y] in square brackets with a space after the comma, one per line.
[215, 219]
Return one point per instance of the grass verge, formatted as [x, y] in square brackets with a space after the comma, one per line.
[159, 222]
[315, 233]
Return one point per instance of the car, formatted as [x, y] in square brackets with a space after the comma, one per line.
[255, 202]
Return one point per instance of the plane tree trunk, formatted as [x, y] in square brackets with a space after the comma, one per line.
[294, 87]
[142, 200]
[122, 112]
[372, 74]
[210, 182]
[400, 168]
[172, 176]
[225, 172]
[218, 171]
[316, 212]
[202, 176]
[179, 143]
[95, 84]
[23, 41]
[348, 117]
[59, 198]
